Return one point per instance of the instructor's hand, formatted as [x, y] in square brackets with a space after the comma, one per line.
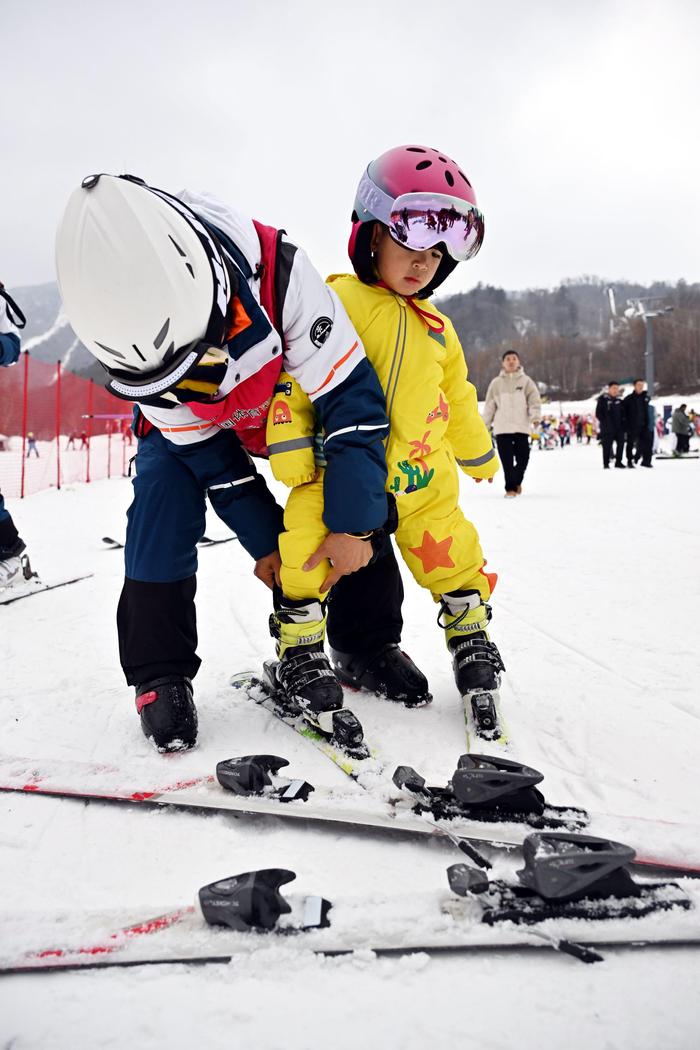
[346, 554]
[268, 568]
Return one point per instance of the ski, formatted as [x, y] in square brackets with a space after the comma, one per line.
[31, 584]
[345, 747]
[206, 541]
[243, 913]
[253, 786]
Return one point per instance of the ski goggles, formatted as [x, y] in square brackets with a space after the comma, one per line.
[421, 220]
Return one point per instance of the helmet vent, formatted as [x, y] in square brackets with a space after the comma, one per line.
[449, 178]
[162, 334]
[183, 254]
[423, 164]
[115, 353]
[415, 149]
[135, 347]
[465, 178]
[169, 353]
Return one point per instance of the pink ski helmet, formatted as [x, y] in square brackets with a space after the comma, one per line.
[424, 199]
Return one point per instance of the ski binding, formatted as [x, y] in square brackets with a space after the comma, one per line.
[489, 788]
[566, 876]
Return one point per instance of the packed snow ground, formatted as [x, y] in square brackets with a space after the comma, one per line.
[596, 617]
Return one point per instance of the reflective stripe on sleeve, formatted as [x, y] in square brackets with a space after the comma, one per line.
[231, 484]
[349, 430]
[479, 461]
[291, 445]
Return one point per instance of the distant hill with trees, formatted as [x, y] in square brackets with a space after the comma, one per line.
[566, 336]
[569, 340]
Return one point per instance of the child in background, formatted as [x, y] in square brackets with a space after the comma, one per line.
[415, 218]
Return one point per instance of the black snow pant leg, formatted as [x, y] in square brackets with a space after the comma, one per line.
[619, 440]
[607, 441]
[157, 628]
[521, 445]
[514, 453]
[645, 447]
[364, 610]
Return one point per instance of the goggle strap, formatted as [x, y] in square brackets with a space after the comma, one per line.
[375, 200]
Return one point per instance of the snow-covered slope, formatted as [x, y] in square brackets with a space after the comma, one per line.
[596, 616]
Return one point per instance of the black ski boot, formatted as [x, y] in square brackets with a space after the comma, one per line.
[388, 671]
[168, 714]
[304, 672]
[476, 661]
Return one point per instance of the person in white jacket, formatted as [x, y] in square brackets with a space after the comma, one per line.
[512, 409]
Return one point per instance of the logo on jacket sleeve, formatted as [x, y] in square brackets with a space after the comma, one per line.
[280, 413]
[320, 330]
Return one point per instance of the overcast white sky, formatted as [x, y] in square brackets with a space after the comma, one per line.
[576, 120]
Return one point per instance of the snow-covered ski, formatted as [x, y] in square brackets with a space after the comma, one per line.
[206, 541]
[247, 912]
[282, 797]
[360, 762]
[31, 584]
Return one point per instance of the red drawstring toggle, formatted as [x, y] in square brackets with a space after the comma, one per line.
[438, 327]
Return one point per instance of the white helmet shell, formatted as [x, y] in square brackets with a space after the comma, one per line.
[141, 278]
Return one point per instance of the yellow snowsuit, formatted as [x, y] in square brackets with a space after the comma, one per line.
[435, 426]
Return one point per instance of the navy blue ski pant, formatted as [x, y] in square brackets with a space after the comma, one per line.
[156, 617]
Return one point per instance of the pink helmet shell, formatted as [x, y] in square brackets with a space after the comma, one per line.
[417, 169]
[406, 169]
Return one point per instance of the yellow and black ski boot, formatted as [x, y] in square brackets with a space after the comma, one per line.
[476, 661]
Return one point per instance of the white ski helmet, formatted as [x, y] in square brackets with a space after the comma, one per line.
[143, 282]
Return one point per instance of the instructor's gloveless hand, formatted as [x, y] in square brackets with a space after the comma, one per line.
[346, 554]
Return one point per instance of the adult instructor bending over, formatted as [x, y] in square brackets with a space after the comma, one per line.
[512, 409]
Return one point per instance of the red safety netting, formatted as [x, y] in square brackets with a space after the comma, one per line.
[56, 428]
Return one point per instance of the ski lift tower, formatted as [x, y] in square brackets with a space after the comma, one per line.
[648, 308]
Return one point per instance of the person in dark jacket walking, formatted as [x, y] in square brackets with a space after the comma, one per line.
[640, 436]
[609, 413]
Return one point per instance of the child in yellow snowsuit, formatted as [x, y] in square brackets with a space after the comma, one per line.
[435, 424]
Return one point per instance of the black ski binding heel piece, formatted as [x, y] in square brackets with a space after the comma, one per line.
[257, 775]
[252, 901]
[567, 877]
[492, 789]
